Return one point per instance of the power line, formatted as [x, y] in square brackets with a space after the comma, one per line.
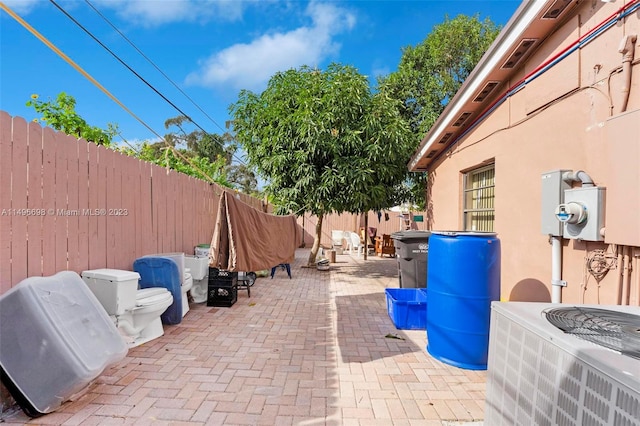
[94, 81]
[152, 63]
[125, 64]
[140, 77]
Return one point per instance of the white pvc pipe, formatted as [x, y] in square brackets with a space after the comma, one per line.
[556, 269]
[578, 176]
[627, 48]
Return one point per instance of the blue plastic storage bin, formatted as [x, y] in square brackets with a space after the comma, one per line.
[158, 271]
[407, 308]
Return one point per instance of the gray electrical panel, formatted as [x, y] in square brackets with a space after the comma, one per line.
[553, 187]
[592, 199]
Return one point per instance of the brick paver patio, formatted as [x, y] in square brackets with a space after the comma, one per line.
[311, 350]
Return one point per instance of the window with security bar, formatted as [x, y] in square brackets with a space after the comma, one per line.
[479, 195]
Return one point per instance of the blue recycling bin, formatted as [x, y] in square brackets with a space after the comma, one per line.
[158, 271]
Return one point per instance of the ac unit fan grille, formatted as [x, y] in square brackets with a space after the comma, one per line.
[618, 331]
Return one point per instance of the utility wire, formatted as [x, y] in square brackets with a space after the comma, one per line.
[139, 76]
[125, 64]
[78, 68]
[152, 63]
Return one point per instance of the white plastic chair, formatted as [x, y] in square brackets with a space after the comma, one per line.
[355, 243]
[336, 238]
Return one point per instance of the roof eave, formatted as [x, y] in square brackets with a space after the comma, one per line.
[486, 70]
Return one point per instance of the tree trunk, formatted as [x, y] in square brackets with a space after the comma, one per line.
[316, 242]
[366, 235]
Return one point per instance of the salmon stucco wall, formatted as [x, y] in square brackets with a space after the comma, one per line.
[564, 119]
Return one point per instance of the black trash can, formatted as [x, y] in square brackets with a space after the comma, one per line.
[412, 248]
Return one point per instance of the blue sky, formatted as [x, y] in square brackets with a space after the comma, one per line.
[209, 49]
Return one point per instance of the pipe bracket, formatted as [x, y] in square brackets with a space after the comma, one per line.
[560, 283]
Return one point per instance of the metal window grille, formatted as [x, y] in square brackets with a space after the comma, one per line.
[479, 195]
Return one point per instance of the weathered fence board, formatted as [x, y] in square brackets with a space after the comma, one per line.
[19, 200]
[5, 201]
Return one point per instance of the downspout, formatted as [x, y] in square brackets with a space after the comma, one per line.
[627, 48]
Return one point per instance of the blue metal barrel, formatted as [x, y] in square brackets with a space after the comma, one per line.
[464, 278]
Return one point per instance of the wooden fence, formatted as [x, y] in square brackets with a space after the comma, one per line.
[387, 223]
[66, 204]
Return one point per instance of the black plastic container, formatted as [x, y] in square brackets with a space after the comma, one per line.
[222, 289]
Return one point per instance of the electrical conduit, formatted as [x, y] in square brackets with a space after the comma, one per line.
[627, 48]
[556, 242]
[626, 281]
[556, 270]
[619, 251]
[636, 255]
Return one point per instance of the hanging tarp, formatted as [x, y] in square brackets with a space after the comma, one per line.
[246, 239]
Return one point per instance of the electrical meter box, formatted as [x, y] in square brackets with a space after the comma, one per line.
[553, 187]
[592, 198]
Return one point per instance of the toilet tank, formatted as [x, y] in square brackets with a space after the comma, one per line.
[199, 266]
[114, 288]
[55, 339]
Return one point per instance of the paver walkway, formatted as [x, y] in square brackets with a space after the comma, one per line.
[310, 350]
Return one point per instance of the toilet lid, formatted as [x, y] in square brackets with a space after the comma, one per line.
[151, 296]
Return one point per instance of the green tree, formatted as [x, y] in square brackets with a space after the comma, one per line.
[61, 115]
[325, 143]
[219, 150]
[430, 74]
[243, 179]
[198, 142]
[197, 159]
[182, 161]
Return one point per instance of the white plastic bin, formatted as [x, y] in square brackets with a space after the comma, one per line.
[55, 338]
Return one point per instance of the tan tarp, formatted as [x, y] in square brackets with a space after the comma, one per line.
[246, 239]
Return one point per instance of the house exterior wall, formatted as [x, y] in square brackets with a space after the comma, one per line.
[568, 118]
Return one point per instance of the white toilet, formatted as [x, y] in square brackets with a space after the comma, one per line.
[135, 312]
[199, 268]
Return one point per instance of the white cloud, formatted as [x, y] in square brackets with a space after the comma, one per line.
[379, 71]
[250, 65]
[21, 7]
[155, 12]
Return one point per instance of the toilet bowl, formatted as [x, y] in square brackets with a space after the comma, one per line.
[199, 290]
[142, 323]
[135, 312]
[187, 284]
[199, 268]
